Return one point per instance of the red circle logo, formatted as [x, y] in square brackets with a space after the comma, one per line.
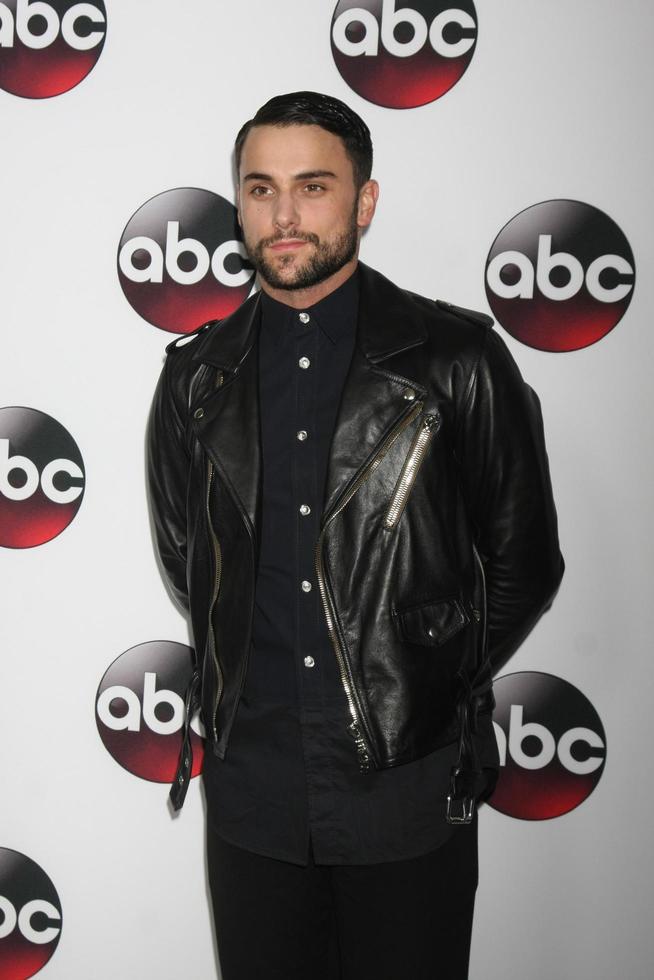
[30, 916]
[181, 261]
[140, 711]
[41, 478]
[560, 275]
[552, 746]
[403, 53]
[48, 46]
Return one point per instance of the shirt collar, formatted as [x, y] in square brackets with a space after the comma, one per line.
[335, 314]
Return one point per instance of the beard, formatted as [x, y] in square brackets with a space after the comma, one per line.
[327, 258]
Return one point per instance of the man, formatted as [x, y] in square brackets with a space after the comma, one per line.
[350, 494]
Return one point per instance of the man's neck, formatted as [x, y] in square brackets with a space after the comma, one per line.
[302, 299]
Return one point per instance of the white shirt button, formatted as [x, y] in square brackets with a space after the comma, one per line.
[302, 435]
[304, 362]
[305, 509]
[304, 317]
[306, 586]
[309, 662]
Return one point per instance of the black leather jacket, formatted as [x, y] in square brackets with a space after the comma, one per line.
[438, 548]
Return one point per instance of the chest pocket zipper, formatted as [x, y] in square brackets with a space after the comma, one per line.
[417, 451]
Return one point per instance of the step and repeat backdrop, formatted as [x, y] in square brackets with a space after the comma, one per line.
[514, 149]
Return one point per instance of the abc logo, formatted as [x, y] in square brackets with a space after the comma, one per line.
[560, 275]
[403, 54]
[181, 261]
[140, 710]
[47, 48]
[41, 478]
[30, 916]
[552, 746]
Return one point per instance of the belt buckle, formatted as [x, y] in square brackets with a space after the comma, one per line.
[466, 809]
[460, 809]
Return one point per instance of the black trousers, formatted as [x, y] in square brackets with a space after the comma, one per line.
[401, 919]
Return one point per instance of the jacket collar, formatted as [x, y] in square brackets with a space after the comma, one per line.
[383, 327]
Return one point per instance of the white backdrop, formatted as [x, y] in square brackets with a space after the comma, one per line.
[556, 103]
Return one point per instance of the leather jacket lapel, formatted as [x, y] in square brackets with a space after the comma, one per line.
[229, 428]
[373, 399]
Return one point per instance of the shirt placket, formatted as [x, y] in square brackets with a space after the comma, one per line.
[316, 731]
[306, 506]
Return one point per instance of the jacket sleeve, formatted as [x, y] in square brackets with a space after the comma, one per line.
[168, 463]
[507, 487]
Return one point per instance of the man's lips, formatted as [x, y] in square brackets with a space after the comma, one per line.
[288, 244]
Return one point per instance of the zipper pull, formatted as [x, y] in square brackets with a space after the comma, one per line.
[362, 752]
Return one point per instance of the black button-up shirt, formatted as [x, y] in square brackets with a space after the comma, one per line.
[290, 772]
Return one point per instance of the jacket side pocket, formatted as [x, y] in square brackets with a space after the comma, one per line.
[432, 623]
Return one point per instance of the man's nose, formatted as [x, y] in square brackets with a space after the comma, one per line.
[286, 214]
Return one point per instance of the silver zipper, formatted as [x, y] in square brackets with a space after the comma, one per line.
[406, 479]
[217, 555]
[355, 727]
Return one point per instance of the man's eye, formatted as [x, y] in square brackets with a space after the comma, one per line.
[260, 191]
[314, 188]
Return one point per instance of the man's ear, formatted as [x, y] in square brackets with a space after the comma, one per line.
[368, 196]
[238, 207]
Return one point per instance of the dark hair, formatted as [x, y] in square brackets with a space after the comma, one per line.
[315, 109]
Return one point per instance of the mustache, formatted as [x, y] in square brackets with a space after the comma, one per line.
[295, 236]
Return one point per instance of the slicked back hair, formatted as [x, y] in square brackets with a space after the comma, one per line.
[315, 109]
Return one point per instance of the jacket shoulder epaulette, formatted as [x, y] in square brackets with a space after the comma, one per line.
[187, 338]
[472, 316]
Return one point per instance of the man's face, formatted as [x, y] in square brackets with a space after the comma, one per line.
[298, 205]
